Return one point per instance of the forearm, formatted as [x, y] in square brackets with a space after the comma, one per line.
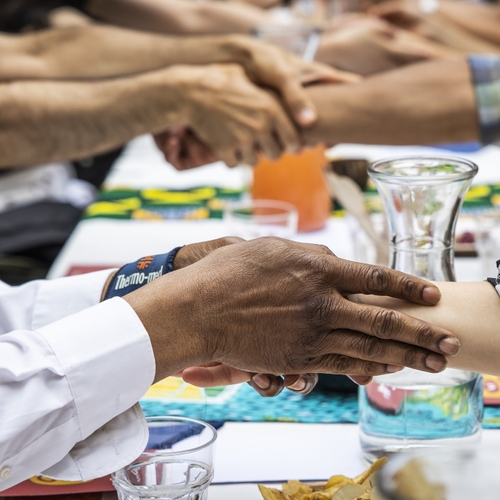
[472, 312]
[54, 121]
[458, 37]
[427, 103]
[178, 16]
[96, 52]
[483, 20]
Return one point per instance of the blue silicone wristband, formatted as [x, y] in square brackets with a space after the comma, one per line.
[132, 276]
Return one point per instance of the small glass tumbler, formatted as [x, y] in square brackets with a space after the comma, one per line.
[451, 473]
[257, 218]
[176, 465]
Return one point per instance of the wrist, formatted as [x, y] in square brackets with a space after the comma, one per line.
[165, 309]
[168, 90]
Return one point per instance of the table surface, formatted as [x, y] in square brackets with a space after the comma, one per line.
[246, 452]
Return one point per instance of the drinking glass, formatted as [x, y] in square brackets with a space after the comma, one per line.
[297, 179]
[255, 218]
[422, 197]
[176, 465]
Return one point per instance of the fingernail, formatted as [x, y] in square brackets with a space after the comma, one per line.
[431, 295]
[306, 116]
[450, 346]
[435, 362]
[394, 368]
[299, 385]
[363, 380]
[262, 381]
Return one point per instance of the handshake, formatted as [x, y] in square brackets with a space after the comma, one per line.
[275, 313]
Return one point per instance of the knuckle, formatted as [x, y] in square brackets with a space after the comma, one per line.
[324, 250]
[371, 348]
[319, 310]
[342, 364]
[410, 357]
[371, 368]
[386, 323]
[378, 279]
[424, 336]
[409, 288]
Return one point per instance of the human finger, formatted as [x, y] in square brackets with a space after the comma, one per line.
[398, 352]
[189, 254]
[301, 384]
[388, 324]
[340, 364]
[270, 147]
[215, 376]
[318, 72]
[195, 153]
[355, 277]
[298, 102]
[360, 380]
[267, 385]
[285, 132]
[229, 157]
[248, 153]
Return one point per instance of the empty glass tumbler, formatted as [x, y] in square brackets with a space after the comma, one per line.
[176, 465]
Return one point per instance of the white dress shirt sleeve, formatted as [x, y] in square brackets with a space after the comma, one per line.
[71, 373]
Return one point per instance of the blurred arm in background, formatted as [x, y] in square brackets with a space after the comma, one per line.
[56, 121]
[425, 103]
[178, 16]
[442, 27]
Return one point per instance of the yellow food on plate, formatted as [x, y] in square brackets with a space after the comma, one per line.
[338, 487]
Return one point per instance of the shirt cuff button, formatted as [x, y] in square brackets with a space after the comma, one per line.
[5, 473]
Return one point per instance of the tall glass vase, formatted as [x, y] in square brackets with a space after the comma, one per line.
[422, 198]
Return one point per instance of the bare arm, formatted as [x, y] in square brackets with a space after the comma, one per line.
[472, 312]
[481, 19]
[54, 121]
[96, 52]
[178, 16]
[425, 103]
[50, 121]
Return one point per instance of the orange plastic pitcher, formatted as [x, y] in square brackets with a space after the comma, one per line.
[299, 180]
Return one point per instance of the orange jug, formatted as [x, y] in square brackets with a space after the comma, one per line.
[299, 180]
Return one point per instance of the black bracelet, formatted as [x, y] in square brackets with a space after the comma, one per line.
[495, 281]
[132, 276]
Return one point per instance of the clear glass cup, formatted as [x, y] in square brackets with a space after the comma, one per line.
[451, 473]
[422, 197]
[176, 465]
[256, 218]
[301, 39]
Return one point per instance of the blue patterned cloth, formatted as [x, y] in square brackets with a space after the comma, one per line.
[247, 406]
[485, 71]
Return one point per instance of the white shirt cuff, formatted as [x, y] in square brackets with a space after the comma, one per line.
[108, 360]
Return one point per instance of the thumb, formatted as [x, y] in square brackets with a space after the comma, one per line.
[298, 103]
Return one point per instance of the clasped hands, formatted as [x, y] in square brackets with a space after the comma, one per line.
[275, 313]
